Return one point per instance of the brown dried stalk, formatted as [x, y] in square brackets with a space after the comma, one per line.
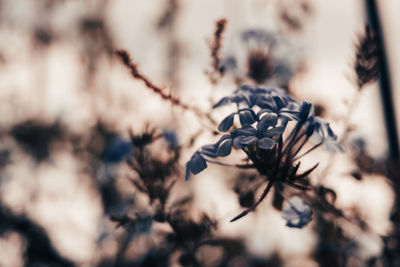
[217, 44]
[126, 60]
[367, 59]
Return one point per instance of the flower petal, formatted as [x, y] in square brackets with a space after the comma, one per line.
[298, 213]
[306, 110]
[323, 134]
[187, 172]
[318, 134]
[197, 163]
[266, 143]
[247, 117]
[331, 134]
[288, 114]
[333, 147]
[238, 99]
[269, 119]
[171, 137]
[266, 103]
[244, 131]
[244, 89]
[226, 123]
[260, 91]
[279, 102]
[275, 132]
[118, 150]
[244, 141]
[225, 148]
[223, 138]
[224, 101]
[236, 143]
[209, 151]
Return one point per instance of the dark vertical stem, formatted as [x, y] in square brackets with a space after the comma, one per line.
[278, 160]
[390, 253]
[385, 83]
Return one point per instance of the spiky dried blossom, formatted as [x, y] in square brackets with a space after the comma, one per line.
[366, 64]
[262, 59]
[259, 66]
[217, 70]
[217, 43]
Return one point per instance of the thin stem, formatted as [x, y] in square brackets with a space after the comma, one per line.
[293, 137]
[278, 161]
[345, 134]
[385, 81]
[347, 125]
[308, 151]
[221, 163]
[245, 166]
[254, 206]
[241, 166]
[248, 154]
[300, 146]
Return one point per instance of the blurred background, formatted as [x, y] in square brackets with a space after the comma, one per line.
[71, 116]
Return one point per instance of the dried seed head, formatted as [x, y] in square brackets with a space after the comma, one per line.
[367, 59]
[259, 66]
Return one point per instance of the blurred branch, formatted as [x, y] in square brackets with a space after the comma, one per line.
[39, 250]
[126, 60]
[385, 83]
[215, 47]
[217, 44]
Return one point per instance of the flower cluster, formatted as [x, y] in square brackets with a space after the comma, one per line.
[297, 214]
[264, 60]
[274, 129]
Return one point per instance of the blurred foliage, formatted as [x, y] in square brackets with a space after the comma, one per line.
[148, 215]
